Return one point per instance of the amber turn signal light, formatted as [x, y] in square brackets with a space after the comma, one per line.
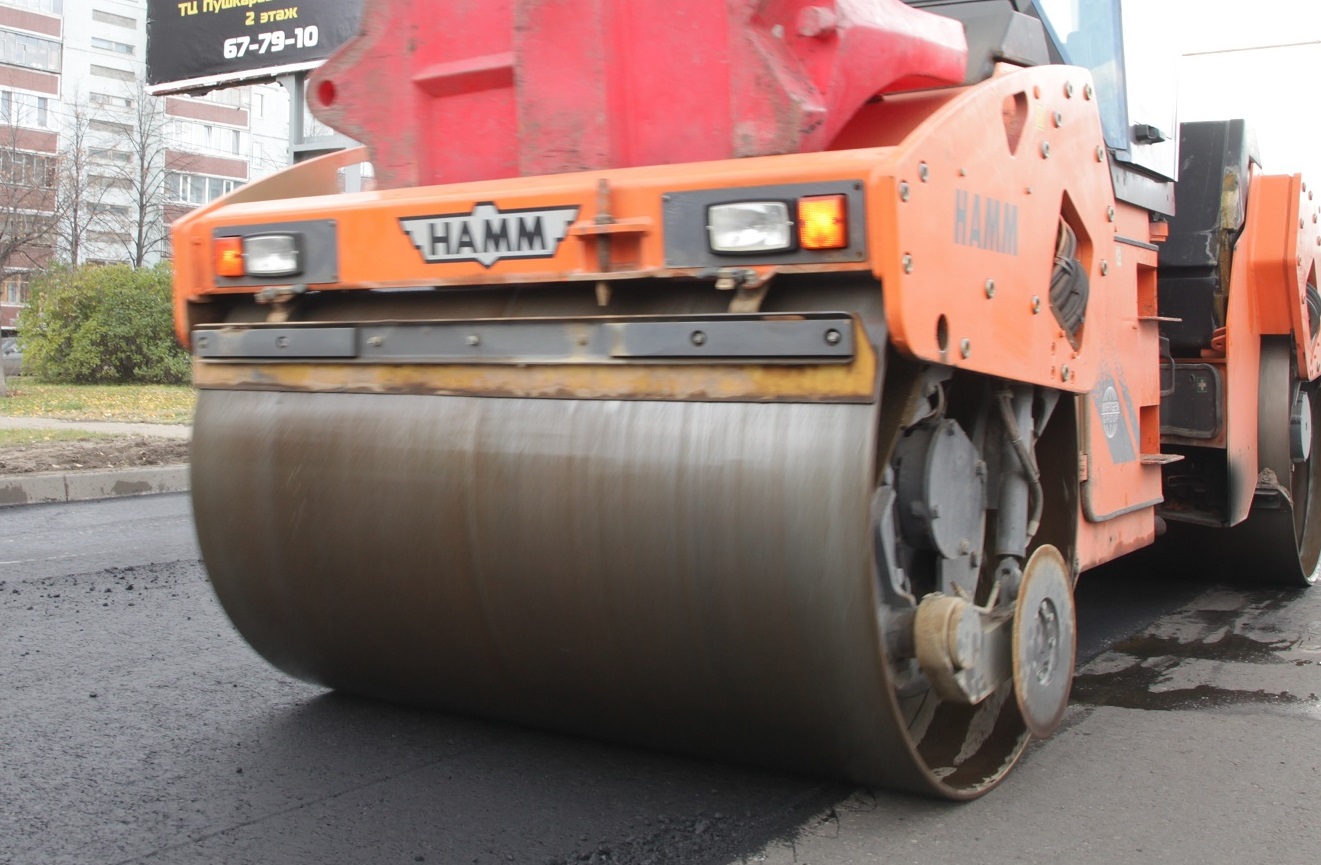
[229, 256]
[823, 222]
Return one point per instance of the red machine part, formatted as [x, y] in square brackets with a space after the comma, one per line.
[505, 88]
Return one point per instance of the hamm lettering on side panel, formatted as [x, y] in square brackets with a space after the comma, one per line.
[487, 234]
[985, 222]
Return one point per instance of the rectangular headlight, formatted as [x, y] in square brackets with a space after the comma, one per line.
[271, 255]
[749, 226]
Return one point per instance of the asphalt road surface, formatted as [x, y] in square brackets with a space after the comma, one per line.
[135, 726]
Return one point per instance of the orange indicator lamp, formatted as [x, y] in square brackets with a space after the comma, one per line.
[229, 256]
[823, 222]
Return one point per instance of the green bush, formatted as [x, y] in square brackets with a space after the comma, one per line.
[102, 324]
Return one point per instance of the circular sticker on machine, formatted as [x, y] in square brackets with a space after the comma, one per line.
[1110, 412]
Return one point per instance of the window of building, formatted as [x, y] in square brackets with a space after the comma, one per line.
[231, 96]
[110, 126]
[20, 168]
[205, 136]
[16, 288]
[111, 45]
[119, 211]
[102, 181]
[109, 72]
[33, 52]
[50, 7]
[31, 229]
[112, 18]
[109, 101]
[218, 186]
[109, 154]
[24, 109]
[197, 188]
[108, 236]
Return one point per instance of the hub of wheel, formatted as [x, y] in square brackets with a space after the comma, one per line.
[1300, 428]
[1044, 641]
[962, 648]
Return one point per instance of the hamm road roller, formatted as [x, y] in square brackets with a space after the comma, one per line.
[745, 378]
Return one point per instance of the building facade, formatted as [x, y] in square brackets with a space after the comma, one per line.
[92, 169]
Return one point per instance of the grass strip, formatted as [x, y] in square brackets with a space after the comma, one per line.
[127, 403]
[24, 437]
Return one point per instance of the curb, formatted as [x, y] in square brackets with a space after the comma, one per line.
[35, 488]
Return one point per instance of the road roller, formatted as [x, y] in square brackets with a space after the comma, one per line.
[751, 379]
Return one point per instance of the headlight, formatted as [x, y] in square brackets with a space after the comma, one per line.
[305, 251]
[749, 226]
[271, 255]
[784, 224]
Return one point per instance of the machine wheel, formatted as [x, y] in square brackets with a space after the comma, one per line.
[1289, 432]
[1280, 541]
[1285, 523]
[1044, 641]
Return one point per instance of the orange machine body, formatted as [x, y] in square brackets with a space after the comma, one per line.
[964, 189]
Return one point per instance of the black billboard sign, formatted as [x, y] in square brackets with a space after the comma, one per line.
[200, 43]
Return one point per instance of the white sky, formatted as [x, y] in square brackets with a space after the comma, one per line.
[1276, 88]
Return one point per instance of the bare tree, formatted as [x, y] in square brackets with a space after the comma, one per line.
[29, 199]
[140, 177]
[81, 191]
[29, 188]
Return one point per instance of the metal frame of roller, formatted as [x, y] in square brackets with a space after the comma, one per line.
[822, 512]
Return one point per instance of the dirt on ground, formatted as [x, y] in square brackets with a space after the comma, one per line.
[101, 453]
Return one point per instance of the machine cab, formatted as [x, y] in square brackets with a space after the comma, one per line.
[1136, 74]
[1132, 63]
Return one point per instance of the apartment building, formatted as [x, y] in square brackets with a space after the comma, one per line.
[92, 169]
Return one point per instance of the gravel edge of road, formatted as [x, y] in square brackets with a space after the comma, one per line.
[43, 487]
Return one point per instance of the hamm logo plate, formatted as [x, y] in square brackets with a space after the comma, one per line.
[488, 234]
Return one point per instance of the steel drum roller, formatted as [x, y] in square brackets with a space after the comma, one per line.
[695, 576]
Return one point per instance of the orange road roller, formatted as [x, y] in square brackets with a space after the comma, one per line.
[745, 378]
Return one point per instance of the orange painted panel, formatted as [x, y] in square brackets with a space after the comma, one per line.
[965, 229]
[1283, 234]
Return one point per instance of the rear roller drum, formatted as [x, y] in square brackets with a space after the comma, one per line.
[1280, 541]
[1285, 523]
